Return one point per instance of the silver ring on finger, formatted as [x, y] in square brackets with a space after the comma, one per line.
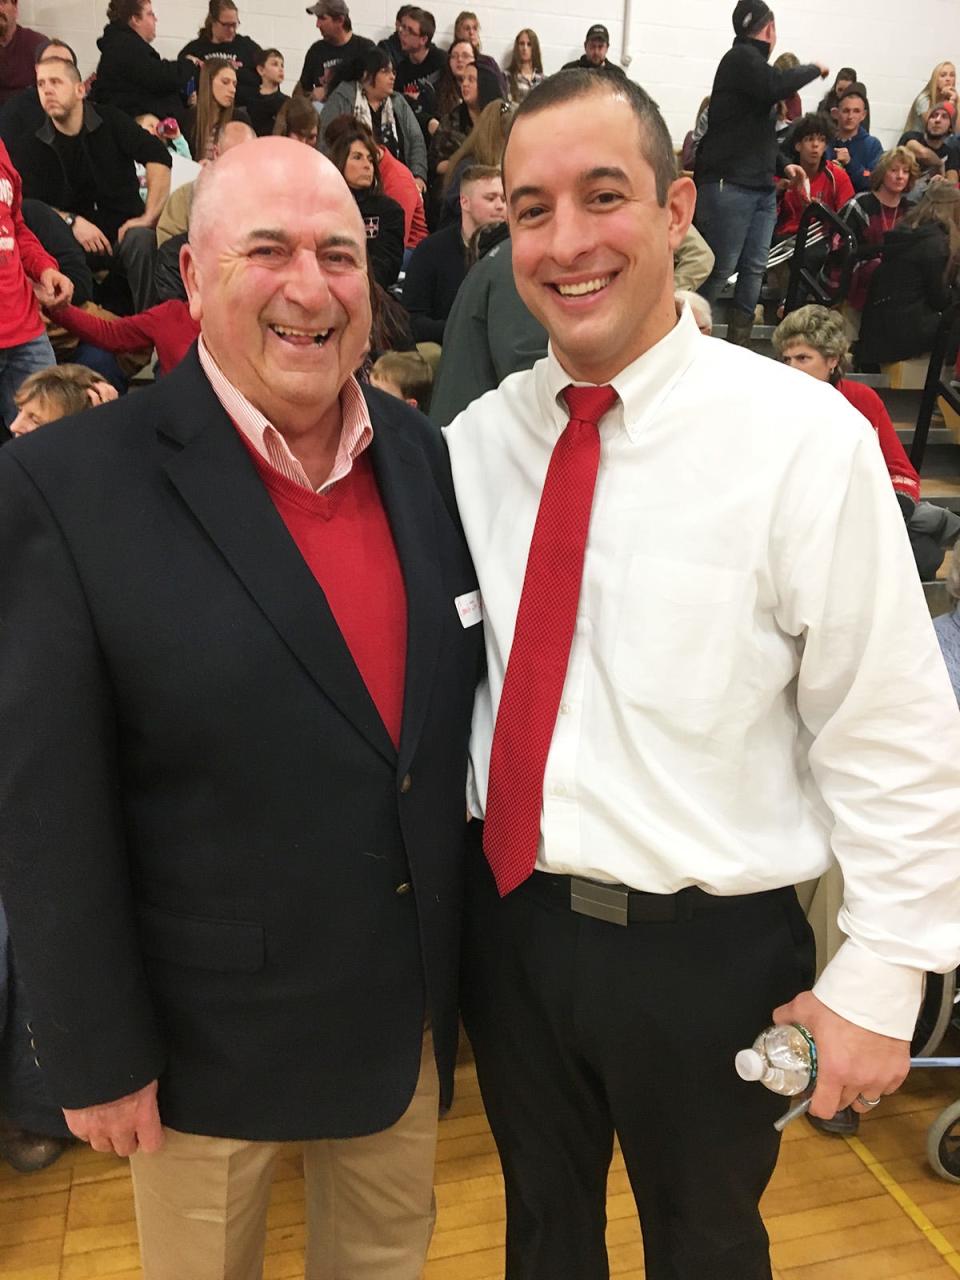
[868, 1102]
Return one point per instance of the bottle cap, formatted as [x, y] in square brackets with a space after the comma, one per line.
[750, 1065]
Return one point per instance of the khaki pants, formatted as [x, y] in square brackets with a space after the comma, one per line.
[202, 1202]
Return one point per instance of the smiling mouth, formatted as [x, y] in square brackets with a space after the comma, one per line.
[301, 337]
[583, 288]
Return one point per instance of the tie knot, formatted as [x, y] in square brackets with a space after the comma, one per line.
[589, 404]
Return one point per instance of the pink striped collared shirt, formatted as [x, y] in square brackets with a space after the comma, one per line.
[355, 434]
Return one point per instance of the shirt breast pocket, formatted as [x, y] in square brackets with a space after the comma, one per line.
[680, 632]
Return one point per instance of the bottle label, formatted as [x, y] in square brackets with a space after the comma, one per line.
[812, 1045]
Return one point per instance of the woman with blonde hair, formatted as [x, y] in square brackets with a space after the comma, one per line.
[871, 214]
[483, 146]
[216, 98]
[525, 68]
[941, 87]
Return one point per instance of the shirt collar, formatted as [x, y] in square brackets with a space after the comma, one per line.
[642, 386]
[355, 434]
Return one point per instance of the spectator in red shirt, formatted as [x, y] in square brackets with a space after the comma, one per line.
[19, 49]
[823, 180]
[812, 339]
[24, 345]
[169, 327]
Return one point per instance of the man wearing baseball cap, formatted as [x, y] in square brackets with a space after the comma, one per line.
[937, 148]
[738, 160]
[337, 45]
[595, 47]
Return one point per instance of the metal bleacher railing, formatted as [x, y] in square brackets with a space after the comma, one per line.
[936, 386]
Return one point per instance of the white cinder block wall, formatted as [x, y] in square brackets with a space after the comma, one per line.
[674, 46]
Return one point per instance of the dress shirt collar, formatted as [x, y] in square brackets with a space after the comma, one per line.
[356, 430]
[642, 386]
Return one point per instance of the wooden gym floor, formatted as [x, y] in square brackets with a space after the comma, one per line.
[836, 1210]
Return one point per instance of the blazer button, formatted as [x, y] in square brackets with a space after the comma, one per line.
[30, 1028]
[33, 1044]
[403, 888]
[37, 1061]
[406, 784]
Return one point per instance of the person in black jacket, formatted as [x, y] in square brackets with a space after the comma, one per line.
[82, 161]
[352, 149]
[218, 37]
[737, 161]
[22, 114]
[438, 264]
[913, 283]
[131, 74]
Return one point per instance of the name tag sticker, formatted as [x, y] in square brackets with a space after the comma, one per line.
[470, 608]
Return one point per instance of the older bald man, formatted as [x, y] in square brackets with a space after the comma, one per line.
[233, 731]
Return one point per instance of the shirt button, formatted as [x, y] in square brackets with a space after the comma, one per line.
[406, 784]
[564, 708]
[37, 1062]
[403, 888]
[559, 789]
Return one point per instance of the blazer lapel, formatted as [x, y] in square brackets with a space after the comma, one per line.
[216, 478]
[407, 489]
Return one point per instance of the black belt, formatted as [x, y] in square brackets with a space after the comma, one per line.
[618, 904]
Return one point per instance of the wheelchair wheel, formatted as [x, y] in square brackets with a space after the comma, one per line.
[936, 1010]
[943, 1143]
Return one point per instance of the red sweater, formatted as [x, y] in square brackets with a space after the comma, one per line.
[866, 401]
[830, 186]
[345, 538]
[169, 327]
[21, 256]
[399, 184]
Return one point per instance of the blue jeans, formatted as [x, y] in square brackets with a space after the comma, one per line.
[16, 363]
[737, 223]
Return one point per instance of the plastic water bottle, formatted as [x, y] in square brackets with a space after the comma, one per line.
[782, 1058]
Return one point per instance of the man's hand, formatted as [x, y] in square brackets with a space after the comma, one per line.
[851, 1061]
[124, 1126]
[421, 186]
[841, 155]
[318, 93]
[824, 70]
[90, 237]
[54, 289]
[142, 221]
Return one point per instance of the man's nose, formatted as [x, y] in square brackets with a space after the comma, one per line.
[307, 282]
[571, 233]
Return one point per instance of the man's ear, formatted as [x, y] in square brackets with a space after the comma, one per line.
[681, 203]
[191, 278]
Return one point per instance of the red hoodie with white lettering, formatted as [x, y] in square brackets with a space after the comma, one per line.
[22, 258]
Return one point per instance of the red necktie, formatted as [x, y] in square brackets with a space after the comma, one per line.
[542, 636]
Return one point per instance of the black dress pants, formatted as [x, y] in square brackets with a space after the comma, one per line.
[582, 1029]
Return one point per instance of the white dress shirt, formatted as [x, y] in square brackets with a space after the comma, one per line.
[754, 685]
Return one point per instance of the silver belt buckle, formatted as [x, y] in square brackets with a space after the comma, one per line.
[607, 902]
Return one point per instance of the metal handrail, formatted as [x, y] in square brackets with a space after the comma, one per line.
[818, 213]
[934, 386]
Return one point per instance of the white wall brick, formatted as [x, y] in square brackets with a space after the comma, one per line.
[674, 47]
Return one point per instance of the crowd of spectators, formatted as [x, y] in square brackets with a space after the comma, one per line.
[107, 156]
